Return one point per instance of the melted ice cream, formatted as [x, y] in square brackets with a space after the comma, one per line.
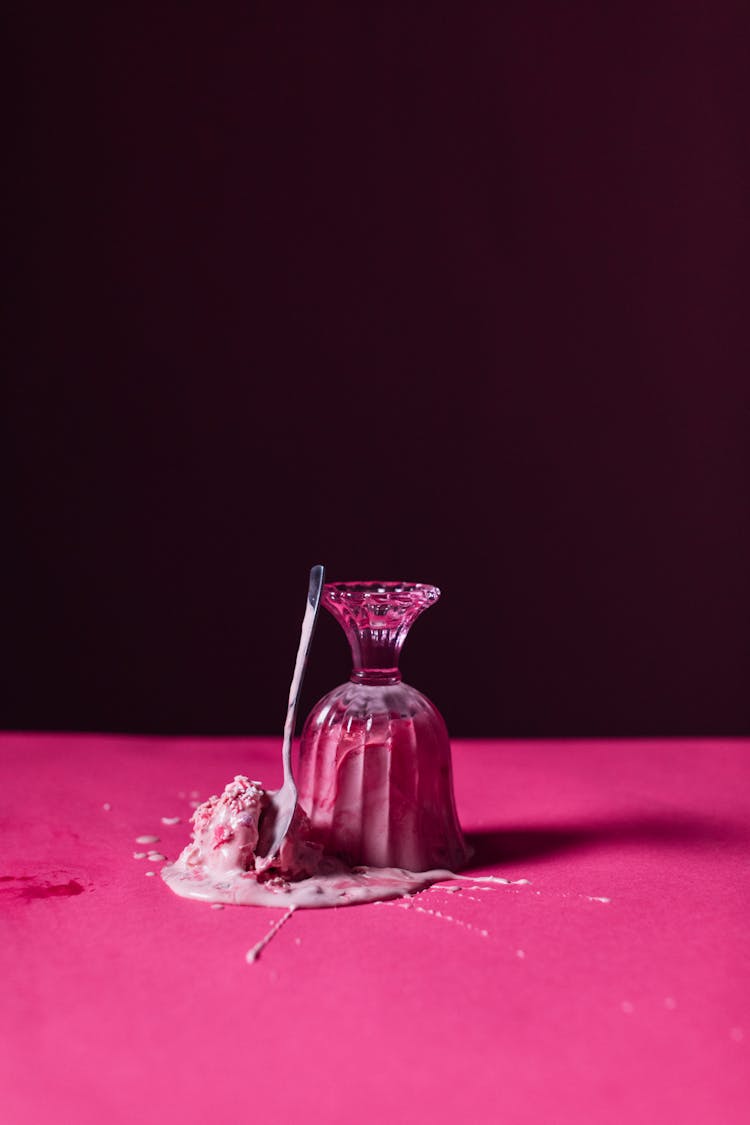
[220, 864]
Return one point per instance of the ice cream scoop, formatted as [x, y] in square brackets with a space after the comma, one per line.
[281, 804]
[226, 831]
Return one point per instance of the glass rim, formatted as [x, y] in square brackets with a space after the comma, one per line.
[385, 587]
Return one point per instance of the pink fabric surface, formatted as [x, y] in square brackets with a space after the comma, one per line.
[124, 1003]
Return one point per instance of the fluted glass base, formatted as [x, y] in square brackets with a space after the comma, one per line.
[375, 778]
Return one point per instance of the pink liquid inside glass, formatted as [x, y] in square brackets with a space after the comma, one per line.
[375, 772]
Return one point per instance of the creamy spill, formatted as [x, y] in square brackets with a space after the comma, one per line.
[492, 879]
[333, 885]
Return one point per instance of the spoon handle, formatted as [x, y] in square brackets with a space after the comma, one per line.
[317, 575]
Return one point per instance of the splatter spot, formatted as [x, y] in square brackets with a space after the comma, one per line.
[170, 820]
[47, 890]
[408, 905]
[147, 839]
[254, 953]
[455, 891]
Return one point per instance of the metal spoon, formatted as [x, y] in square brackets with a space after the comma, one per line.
[278, 816]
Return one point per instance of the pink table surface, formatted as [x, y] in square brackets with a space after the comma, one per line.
[123, 1003]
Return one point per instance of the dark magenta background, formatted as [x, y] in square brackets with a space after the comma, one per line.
[450, 292]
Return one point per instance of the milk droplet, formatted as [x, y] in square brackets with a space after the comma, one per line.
[170, 820]
[147, 839]
[217, 905]
[150, 873]
[155, 857]
[106, 806]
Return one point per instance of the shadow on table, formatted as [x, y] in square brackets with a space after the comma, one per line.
[509, 844]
